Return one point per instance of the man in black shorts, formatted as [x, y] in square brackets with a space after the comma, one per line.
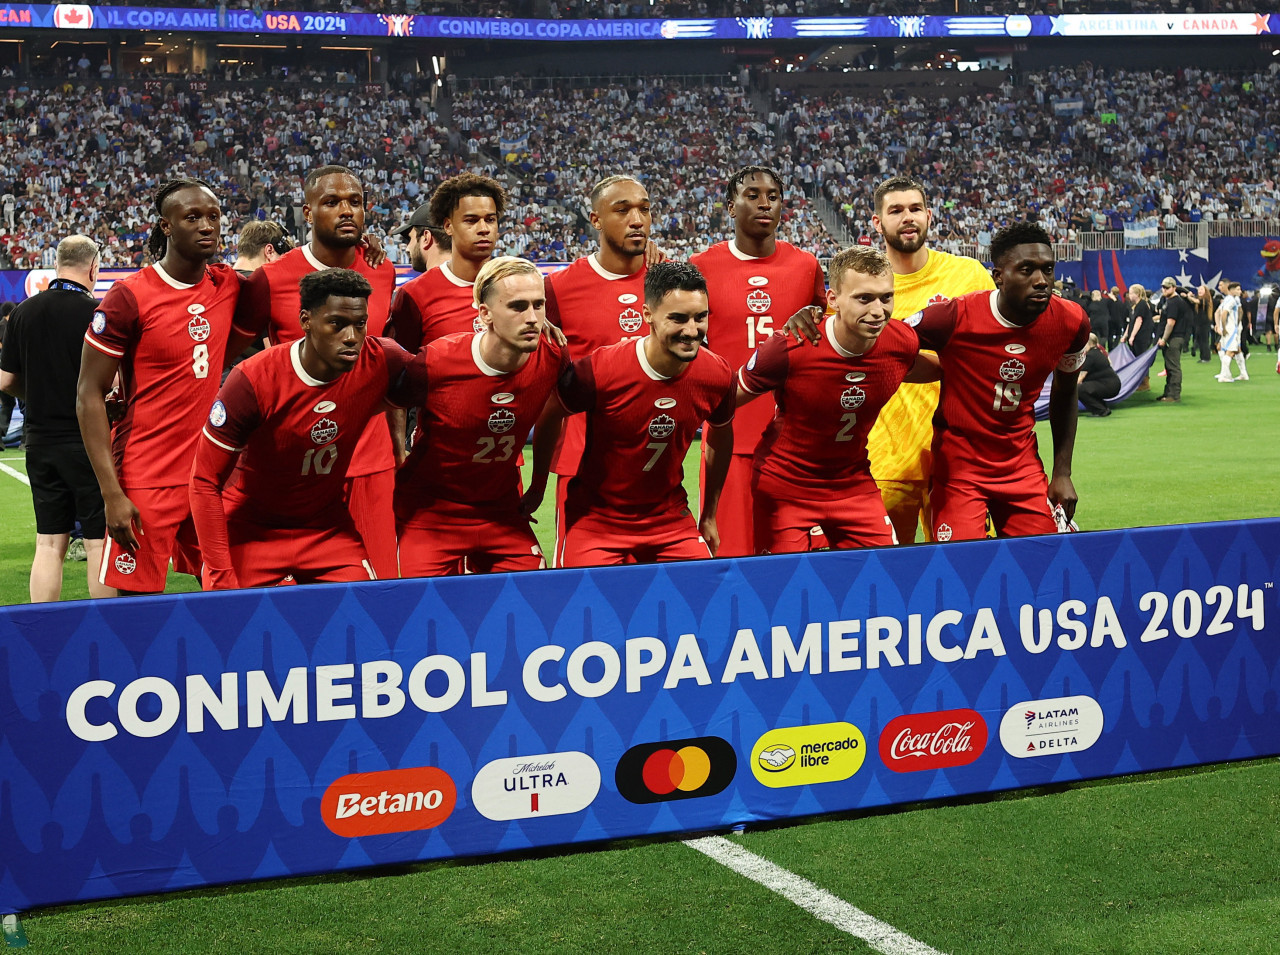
[40, 364]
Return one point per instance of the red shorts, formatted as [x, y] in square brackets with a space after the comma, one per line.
[168, 533]
[439, 544]
[853, 518]
[594, 540]
[1019, 507]
[264, 556]
[369, 499]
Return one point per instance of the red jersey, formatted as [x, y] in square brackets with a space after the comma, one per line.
[170, 339]
[828, 399]
[272, 302]
[992, 373]
[435, 304]
[639, 428]
[298, 435]
[583, 300]
[473, 427]
[751, 298]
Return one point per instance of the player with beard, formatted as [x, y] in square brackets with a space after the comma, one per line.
[267, 486]
[584, 299]
[810, 467]
[441, 301]
[164, 330]
[901, 441]
[458, 495]
[752, 278]
[428, 245]
[334, 209]
[996, 349]
[644, 402]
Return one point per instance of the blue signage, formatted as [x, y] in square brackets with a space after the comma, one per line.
[82, 16]
[159, 743]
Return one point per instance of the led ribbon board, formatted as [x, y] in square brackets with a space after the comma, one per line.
[82, 16]
[152, 744]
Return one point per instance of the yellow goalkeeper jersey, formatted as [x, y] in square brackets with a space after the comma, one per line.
[899, 443]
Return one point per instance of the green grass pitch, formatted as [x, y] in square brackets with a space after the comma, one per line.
[1180, 862]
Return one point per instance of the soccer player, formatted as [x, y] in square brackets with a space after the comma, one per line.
[810, 467]
[752, 278]
[335, 211]
[428, 245]
[164, 329]
[901, 440]
[1227, 323]
[441, 301]
[644, 401]
[288, 423]
[458, 495]
[996, 350]
[584, 299]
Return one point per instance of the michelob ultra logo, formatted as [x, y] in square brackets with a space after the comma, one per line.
[394, 800]
[523, 787]
[803, 755]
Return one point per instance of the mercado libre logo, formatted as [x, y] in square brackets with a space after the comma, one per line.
[394, 800]
[676, 769]
[802, 755]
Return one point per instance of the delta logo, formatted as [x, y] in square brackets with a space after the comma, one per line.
[1064, 724]
[676, 769]
[807, 755]
[526, 787]
[938, 740]
[394, 800]
[758, 301]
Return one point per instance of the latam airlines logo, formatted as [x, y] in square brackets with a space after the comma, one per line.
[523, 787]
[676, 769]
[1065, 724]
[939, 740]
[394, 800]
[804, 755]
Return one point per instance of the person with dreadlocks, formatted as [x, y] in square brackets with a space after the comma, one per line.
[163, 331]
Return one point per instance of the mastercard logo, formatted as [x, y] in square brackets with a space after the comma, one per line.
[676, 769]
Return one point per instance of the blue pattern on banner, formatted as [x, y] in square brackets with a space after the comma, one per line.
[166, 742]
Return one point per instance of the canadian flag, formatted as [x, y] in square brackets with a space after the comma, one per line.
[73, 16]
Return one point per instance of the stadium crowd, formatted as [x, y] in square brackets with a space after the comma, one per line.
[1180, 146]
[1114, 147]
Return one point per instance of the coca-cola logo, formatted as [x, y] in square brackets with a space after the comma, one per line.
[919, 741]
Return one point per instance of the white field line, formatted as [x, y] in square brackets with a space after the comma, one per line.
[17, 474]
[815, 900]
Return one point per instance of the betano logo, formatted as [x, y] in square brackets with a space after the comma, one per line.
[1065, 724]
[524, 787]
[394, 800]
[823, 753]
[676, 769]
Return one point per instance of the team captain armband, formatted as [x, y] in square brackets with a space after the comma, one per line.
[1072, 361]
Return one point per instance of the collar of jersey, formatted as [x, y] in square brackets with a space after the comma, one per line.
[169, 279]
[295, 356]
[483, 365]
[448, 273]
[995, 312]
[644, 361]
[737, 253]
[840, 349]
[601, 271]
[312, 260]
